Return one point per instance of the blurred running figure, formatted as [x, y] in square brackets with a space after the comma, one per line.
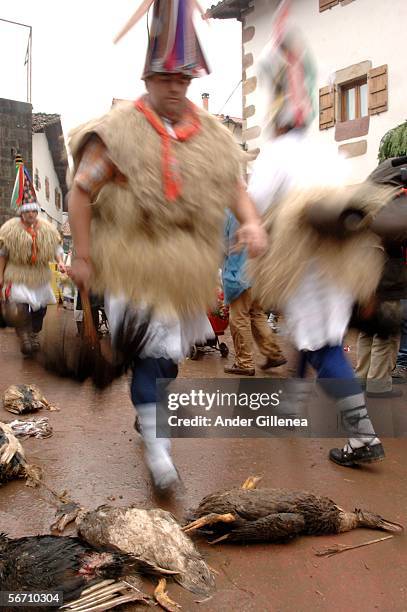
[152, 180]
[312, 237]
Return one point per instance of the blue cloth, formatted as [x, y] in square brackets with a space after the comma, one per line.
[334, 372]
[145, 373]
[402, 356]
[233, 277]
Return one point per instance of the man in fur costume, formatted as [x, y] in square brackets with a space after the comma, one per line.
[152, 180]
[322, 256]
[27, 245]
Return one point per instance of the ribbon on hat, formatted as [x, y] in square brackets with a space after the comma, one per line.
[18, 190]
[23, 191]
[141, 11]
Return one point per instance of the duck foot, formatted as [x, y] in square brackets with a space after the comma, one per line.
[251, 482]
[65, 514]
[106, 595]
[161, 596]
[209, 519]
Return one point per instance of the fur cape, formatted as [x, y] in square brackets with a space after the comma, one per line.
[353, 261]
[165, 254]
[18, 242]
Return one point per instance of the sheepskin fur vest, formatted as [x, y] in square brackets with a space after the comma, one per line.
[165, 254]
[18, 242]
[353, 261]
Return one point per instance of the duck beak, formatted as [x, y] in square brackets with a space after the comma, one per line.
[375, 521]
[390, 526]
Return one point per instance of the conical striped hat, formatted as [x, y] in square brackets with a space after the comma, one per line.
[23, 198]
[173, 46]
[288, 71]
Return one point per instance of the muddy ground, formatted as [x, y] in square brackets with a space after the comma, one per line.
[96, 456]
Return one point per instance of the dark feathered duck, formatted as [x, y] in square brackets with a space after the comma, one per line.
[13, 463]
[68, 565]
[22, 399]
[153, 535]
[249, 514]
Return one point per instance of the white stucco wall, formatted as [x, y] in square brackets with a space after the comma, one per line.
[344, 35]
[42, 160]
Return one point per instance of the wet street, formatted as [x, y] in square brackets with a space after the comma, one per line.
[96, 456]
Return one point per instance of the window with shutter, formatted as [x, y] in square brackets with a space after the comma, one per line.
[353, 98]
[327, 4]
[378, 90]
[326, 107]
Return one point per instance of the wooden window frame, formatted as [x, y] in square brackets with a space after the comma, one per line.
[325, 5]
[331, 100]
[355, 84]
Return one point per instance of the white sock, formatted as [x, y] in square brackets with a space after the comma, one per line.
[359, 442]
[157, 450]
[356, 420]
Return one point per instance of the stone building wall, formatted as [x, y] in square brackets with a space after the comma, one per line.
[15, 137]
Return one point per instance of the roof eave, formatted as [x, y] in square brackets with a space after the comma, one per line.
[228, 9]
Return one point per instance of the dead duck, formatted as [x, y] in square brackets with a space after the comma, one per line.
[37, 428]
[249, 514]
[13, 463]
[153, 535]
[22, 399]
[68, 565]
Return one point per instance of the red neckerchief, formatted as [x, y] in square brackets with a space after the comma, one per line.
[189, 126]
[32, 230]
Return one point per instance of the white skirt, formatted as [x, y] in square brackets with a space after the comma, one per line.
[171, 338]
[35, 297]
[318, 313]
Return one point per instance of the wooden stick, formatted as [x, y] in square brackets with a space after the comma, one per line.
[329, 552]
[89, 330]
